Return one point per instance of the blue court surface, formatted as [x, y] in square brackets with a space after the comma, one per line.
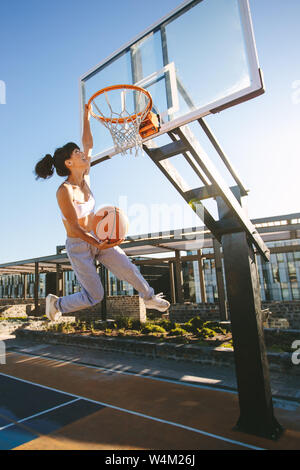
[51, 404]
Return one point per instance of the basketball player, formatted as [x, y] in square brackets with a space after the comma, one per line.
[76, 203]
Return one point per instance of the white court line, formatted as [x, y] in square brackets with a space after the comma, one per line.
[38, 414]
[142, 415]
[278, 402]
[133, 374]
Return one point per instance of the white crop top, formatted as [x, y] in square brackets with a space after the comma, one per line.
[82, 208]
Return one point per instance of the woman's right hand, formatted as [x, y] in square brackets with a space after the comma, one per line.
[107, 244]
[103, 245]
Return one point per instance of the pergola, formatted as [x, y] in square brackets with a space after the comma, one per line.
[153, 246]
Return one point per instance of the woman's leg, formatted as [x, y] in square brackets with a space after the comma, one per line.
[81, 256]
[116, 260]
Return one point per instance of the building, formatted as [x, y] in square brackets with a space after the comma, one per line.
[185, 264]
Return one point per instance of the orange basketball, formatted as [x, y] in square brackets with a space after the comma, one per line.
[111, 223]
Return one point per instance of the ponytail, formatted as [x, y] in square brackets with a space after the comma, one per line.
[45, 167]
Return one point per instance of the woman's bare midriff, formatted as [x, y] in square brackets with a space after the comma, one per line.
[86, 223]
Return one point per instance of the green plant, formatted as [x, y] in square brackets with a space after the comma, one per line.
[12, 319]
[228, 344]
[149, 328]
[166, 324]
[136, 324]
[177, 332]
[153, 315]
[205, 333]
[193, 325]
[215, 326]
[124, 322]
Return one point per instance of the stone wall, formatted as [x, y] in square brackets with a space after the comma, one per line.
[117, 306]
[287, 311]
[10, 308]
[282, 314]
[181, 313]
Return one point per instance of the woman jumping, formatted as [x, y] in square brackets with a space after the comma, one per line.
[77, 203]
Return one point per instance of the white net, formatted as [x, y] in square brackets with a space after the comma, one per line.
[125, 134]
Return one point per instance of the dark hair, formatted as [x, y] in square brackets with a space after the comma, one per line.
[45, 167]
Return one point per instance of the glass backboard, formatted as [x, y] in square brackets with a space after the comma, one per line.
[199, 59]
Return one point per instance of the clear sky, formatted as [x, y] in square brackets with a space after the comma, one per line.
[45, 46]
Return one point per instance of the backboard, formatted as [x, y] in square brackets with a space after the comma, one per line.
[199, 59]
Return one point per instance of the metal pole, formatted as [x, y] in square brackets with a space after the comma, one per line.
[172, 282]
[252, 369]
[220, 281]
[179, 277]
[59, 281]
[201, 277]
[25, 286]
[36, 289]
[103, 303]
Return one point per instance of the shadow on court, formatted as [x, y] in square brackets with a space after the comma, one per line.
[53, 404]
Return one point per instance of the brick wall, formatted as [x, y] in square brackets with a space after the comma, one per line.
[117, 306]
[18, 307]
[182, 313]
[282, 314]
[288, 311]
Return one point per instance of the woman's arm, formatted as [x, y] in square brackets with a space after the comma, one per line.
[65, 201]
[87, 139]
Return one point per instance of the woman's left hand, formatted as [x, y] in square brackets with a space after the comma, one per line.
[118, 242]
[87, 111]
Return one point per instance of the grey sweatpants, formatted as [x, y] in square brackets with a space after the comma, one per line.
[82, 255]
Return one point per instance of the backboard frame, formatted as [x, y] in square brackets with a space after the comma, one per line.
[256, 87]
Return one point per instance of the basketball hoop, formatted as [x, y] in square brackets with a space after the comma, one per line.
[123, 124]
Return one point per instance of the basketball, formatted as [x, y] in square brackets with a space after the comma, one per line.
[111, 223]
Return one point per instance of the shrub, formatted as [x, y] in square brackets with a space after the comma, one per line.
[193, 325]
[136, 324]
[205, 333]
[228, 344]
[149, 328]
[166, 324]
[124, 322]
[68, 328]
[177, 332]
[215, 326]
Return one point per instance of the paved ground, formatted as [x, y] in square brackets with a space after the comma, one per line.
[62, 397]
[284, 386]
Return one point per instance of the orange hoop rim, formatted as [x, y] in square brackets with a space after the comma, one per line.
[132, 117]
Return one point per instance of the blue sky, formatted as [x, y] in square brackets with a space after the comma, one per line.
[46, 46]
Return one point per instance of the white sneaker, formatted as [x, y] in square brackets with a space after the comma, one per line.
[157, 302]
[51, 311]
